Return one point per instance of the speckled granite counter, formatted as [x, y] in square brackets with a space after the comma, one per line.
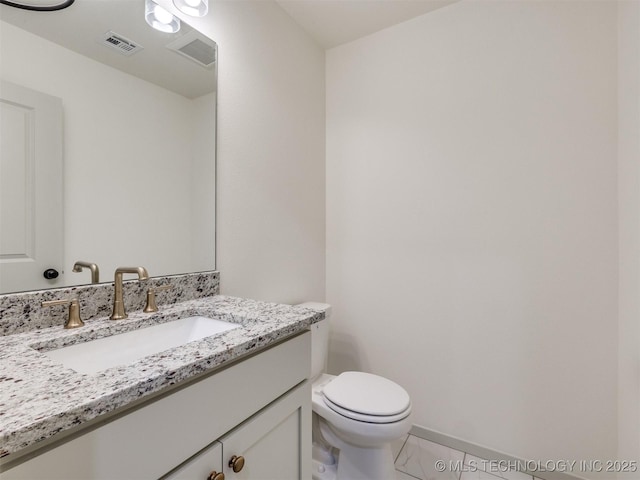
[40, 398]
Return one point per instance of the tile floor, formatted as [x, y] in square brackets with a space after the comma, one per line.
[421, 459]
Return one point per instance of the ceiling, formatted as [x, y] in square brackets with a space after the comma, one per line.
[334, 22]
[83, 26]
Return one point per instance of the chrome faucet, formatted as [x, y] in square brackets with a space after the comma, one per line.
[95, 271]
[118, 304]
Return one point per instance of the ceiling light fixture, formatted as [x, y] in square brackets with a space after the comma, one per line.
[160, 18]
[194, 8]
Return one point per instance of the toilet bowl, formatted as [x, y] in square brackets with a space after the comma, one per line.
[358, 414]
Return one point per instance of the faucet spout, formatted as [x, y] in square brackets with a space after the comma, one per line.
[118, 303]
[95, 271]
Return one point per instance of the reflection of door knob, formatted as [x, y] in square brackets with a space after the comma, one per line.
[236, 463]
[50, 273]
[215, 476]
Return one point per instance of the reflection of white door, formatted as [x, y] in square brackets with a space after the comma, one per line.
[31, 228]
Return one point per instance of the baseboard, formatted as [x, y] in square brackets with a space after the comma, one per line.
[480, 451]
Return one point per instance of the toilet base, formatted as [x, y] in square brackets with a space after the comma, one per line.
[360, 463]
[321, 471]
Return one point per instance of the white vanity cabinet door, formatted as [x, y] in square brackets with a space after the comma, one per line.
[275, 443]
[201, 466]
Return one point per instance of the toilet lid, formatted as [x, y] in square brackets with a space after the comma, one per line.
[367, 395]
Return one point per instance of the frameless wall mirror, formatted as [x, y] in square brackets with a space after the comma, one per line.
[107, 147]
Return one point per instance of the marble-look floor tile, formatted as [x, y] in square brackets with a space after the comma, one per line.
[397, 445]
[477, 475]
[403, 476]
[419, 459]
[500, 469]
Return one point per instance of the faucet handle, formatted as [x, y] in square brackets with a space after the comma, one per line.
[151, 306]
[73, 320]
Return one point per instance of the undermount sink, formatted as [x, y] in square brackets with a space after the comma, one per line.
[125, 348]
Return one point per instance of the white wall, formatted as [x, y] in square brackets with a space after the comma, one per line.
[127, 198]
[271, 213]
[472, 219]
[629, 217]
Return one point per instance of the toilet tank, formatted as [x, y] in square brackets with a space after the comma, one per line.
[319, 338]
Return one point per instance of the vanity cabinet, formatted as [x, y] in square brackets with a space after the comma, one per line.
[201, 467]
[258, 408]
[268, 444]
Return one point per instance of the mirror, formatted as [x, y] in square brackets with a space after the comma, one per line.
[138, 144]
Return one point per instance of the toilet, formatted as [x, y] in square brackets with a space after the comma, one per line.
[356, 416]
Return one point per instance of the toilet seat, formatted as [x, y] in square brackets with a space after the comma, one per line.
[365, 397]
[360, 417]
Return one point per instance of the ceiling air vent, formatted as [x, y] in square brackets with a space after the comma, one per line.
[196, 48]
[120, 43]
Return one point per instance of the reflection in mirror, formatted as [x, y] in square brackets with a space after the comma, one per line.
[137, 141]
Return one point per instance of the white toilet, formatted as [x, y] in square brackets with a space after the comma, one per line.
[357, 413]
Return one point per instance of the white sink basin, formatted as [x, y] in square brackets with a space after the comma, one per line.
[125, 348]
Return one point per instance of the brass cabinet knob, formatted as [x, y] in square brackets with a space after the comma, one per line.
[215, 476]
[236, 463]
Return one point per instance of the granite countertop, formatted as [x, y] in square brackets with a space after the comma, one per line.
[40, 398]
